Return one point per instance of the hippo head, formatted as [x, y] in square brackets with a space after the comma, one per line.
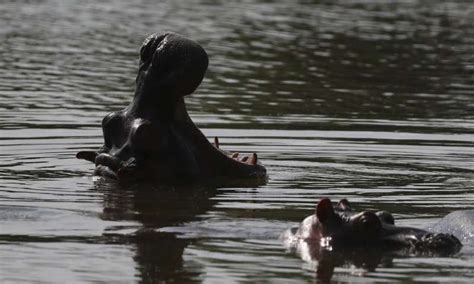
[154, 138]
[340, 226]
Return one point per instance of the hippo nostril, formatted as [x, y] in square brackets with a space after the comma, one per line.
[145, 53]
[150, 45]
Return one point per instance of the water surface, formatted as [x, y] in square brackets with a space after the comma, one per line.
[366, 100]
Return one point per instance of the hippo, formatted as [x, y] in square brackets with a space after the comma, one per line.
[154, 138]
[340, 227]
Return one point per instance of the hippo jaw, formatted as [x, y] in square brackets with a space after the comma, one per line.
[154, 138]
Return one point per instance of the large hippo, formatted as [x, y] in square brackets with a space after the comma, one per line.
[154, 138]
[340, 227]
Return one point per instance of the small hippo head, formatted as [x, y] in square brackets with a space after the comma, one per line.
[340, 226]
[154, 138]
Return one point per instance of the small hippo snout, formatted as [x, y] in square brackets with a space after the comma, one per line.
[440, 242]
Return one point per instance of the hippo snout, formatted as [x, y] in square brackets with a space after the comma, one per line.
[436, 241]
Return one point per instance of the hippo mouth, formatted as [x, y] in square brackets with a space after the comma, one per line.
[154, 138]
[215, 162]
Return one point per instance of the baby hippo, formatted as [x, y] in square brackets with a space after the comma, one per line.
[339, 226]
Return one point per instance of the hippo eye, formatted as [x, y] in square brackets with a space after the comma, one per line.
[368, 222]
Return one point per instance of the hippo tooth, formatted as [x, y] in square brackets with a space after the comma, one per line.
[253, 159]
[235, 155]
[216, 142]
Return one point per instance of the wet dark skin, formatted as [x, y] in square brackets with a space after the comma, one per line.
[339, 226]
[154, 138]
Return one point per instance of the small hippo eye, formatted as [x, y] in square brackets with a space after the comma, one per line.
[369, 222]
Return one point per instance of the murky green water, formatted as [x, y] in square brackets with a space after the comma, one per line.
[367, 100]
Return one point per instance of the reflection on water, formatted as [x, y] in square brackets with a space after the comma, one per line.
[158, 254]
[366, 100]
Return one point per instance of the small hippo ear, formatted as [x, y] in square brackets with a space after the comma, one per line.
[324, 210]
[344, 205]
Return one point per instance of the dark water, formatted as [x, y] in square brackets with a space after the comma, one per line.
[367, 100]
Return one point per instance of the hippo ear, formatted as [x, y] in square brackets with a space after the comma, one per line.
[343, 205]
[324, 210]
